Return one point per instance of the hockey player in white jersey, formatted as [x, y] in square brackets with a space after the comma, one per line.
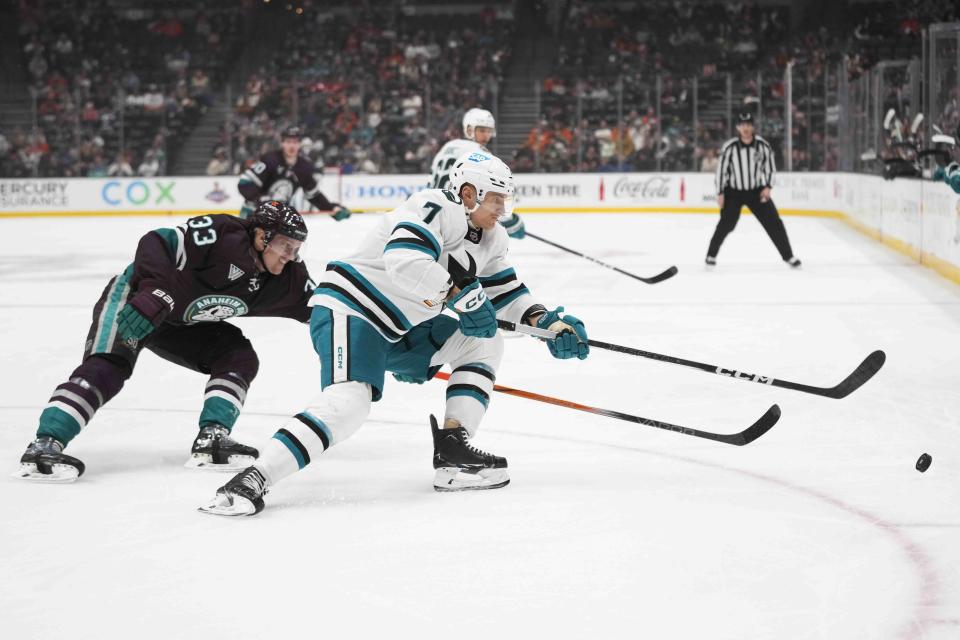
[381, 310]
[479, 128]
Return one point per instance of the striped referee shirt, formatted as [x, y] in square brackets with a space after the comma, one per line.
[745, 167]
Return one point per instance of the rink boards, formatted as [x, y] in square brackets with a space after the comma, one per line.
[918, 218]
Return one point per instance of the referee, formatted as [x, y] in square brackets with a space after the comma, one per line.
[744, 177]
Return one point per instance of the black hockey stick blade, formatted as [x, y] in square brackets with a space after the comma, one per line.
[867, 369]
[748, 435]
[754, 431]
[660, 277]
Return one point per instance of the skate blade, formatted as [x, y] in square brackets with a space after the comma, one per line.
[204, 462]
[453, 479]
[61, 474]
[223, 505]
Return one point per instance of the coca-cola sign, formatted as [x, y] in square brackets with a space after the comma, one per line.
[643, 188]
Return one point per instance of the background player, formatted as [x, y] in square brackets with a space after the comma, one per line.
[949, 172]
[279, 174]
[171, 300]
[479, 128]
[380, 310]
[745, 177]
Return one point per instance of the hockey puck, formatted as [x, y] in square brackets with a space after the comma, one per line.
[923, 462]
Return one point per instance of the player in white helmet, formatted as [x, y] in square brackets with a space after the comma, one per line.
[381, 310]
[479, 128]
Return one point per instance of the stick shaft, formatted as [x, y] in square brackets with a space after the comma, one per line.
[657, 278]
[764, 424]
[861, 374]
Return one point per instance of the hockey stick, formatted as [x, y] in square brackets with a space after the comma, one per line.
[867, 369]
[748, 435]
[660, 277]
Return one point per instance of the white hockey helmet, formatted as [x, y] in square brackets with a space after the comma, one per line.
[487, 173]
[474, 118]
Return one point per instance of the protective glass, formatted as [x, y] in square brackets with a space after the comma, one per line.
[284, 246]
[498, 202]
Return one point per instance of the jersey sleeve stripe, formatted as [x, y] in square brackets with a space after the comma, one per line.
[502, 300]
[250, 176]
[420, 232]
[181, 251]
[363, 285]
[497, 279]
[416, 244]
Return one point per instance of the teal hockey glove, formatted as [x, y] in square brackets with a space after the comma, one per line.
[144, 313]
[952, 176]
[478, 318]
[514, 226]
[571, 340]
[247, 208]
[340, 212]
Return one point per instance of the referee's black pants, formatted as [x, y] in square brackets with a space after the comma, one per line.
[765, 212]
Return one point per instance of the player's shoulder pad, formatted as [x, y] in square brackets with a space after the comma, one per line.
[272, 158]
[442, 208]
[447, 146]
[761, 141]
[445, 199]
[217, 230]
[224, 221]
[303, 163]
[728, 143]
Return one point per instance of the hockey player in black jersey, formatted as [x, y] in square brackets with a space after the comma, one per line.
[183, 283]
[279, 174]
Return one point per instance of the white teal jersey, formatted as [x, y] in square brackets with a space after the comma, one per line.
[398, 277]
[448, 154]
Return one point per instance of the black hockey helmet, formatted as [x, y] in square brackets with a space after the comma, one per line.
[274, 216]
[292, 131]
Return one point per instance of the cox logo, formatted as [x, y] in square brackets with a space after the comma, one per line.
[137, 192]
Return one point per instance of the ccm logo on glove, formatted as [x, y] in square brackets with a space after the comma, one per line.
[471, 304]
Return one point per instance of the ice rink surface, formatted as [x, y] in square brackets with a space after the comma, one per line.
[820, 529]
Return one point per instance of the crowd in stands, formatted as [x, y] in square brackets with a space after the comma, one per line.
[116, 87]
[378, 88]
[599, 105]
[375, 91]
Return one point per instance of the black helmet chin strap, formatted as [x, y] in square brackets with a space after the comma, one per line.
[265, 243]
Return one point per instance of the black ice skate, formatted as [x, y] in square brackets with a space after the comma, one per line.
[215, 450]
[793, 261]
[44, 461]
[242, 496]
[461, 467]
